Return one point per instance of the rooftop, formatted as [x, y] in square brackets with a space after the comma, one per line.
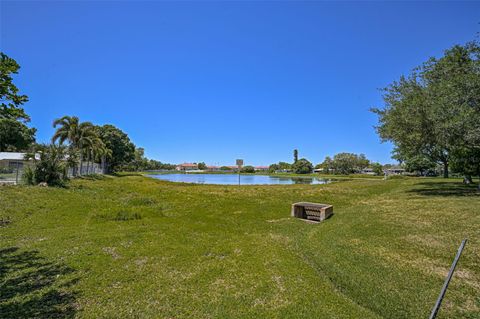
[14, 156]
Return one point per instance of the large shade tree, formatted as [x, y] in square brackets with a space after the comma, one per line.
[435, 111]
[348, 163]
[122, 149]
[302, 166]
[15, 135]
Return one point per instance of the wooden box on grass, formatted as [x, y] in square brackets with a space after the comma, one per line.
[312, 211]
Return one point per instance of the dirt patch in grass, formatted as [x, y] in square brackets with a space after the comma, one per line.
[111, 251]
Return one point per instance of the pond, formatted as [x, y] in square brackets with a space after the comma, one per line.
[232, 179]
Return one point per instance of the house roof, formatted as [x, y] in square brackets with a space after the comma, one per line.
[14, 156]
[188, 165]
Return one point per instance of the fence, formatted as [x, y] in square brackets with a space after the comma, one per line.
[85, 169]
[11, 173]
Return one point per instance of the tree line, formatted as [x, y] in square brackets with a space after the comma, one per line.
[432, 116]
[75, 145]
[342, 163]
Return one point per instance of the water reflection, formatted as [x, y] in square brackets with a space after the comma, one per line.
[232, 179]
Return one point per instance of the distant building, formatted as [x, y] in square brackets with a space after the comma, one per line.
[213, 168]
[367, 171]
[261, 168]
[395, 171]
[13, 160]
[187, 167]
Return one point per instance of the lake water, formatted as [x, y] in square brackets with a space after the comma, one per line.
[232, 179]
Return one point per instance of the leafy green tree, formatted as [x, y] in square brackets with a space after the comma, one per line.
[295, 155]
[15, 135]
[302, 166]
[248, 169]
[284, 166]
[281, 166]
[202, 166]
[377, 169]
[345, 163]
[362, 162]
[420, 164]
[467, 163]
[157, 165]
[326, 165]
[123, 150]
[225, 168]
[10, 100]
[273, 168]
[435, 112]
[139, 163]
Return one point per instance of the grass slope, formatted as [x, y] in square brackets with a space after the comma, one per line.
[138, 247]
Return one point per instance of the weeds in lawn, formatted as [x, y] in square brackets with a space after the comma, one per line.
[141, 201]
[124, 215]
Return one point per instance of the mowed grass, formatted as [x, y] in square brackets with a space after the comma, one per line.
[136, 247]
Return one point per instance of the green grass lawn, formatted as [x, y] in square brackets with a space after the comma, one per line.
[136, 247]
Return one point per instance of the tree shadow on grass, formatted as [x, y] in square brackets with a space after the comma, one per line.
[33, 287]
[446, 189]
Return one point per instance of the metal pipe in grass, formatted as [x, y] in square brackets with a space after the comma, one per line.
[447, 281]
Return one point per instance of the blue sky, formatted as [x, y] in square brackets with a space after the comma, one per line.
[215, 81]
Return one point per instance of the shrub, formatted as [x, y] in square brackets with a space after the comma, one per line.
[377, 169]
[50, 168]
[6, 170]
[248, 169]
[28, 176]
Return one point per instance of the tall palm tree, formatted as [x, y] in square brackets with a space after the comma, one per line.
[100, 153]
[94, 145]
[80, 135]
[86, 140]
[68, 130]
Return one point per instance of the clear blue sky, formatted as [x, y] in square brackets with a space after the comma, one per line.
[215, 81]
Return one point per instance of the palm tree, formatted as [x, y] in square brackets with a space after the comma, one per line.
[80, 135]
[94, 145]
[100, 153]
[86, 140]
[68, 130]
